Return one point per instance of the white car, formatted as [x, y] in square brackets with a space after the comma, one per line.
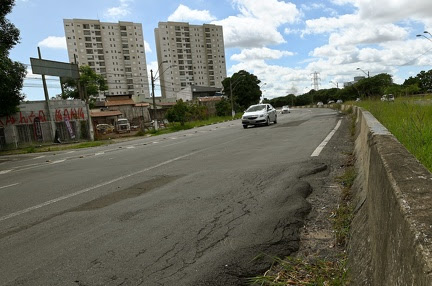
[259, 114]
[285, 109]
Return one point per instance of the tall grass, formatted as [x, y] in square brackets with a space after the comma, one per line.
[410, 122]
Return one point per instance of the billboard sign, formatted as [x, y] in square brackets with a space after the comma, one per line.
[54, 68]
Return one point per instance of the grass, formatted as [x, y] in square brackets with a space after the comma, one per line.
[174, 127]
[295, 271]
[410, 121]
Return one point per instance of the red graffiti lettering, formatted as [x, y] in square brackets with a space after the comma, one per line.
[23, 119]
[31, 117]
[66, 114]
[81, 113]
[10, 119]
[42, 116]
[73, 114]
[58, 115]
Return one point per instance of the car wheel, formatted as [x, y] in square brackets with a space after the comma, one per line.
[275, 121]
[267, 121]
[244, 126]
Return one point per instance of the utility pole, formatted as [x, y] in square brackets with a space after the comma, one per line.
[49, 117]
[154, 101]
[232, 101]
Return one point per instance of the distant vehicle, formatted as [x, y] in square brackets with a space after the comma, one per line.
[104, 128]
[387, 97]
[330, 102]
[123, 125]
[259, 114]
[285, 109]
[358, 99]
[320, 103]
[339, 101]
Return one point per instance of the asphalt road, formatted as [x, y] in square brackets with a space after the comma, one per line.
[208, 206]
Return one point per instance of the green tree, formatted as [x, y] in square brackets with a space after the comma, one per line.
[374, 86]
[425, 79]
[245, 89]
[178, 113]
[11, 73]
[90, 82]
[197, 112]
[223, 107]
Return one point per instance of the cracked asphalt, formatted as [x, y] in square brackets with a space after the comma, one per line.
[211, 206]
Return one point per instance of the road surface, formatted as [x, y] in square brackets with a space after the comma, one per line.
[207, 206]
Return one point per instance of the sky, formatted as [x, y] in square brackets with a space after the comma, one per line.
[283, 43]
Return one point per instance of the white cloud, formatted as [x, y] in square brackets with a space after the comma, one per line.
[147, 47]
[119, 11]
[53, 42]
[258, 22]
[260, 54]
[185, 14]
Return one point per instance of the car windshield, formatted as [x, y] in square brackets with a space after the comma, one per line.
[256, 108]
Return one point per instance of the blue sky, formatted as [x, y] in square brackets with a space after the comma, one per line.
[281, 42]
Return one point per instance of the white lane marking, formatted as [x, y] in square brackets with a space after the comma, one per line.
[3, 218]
[70, 152]
[326, 140]
[92, 188]
[39, 157]
[11, 185]
[58, 161]
[130, 147]
[4, 172]
[99, 153]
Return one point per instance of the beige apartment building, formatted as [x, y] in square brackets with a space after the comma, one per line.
[189, 55]
[114, 50]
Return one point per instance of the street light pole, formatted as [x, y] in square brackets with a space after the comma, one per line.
[364, 72]
[426, 32]
[231, 95]
[262, 97]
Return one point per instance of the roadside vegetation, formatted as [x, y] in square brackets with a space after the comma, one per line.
[319, 271]
[409, 119]
[368, 87]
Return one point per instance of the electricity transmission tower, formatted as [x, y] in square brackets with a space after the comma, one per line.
[315, 80]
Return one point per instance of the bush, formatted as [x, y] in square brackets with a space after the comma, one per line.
[223, 108]
[182, 112]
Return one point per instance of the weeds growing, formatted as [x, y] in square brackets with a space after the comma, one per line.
[410, 122]
[295, 271]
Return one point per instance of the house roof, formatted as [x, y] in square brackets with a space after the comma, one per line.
[106, 113]
[198, 88]
[117, 102]
[208, 99]
[142, 104]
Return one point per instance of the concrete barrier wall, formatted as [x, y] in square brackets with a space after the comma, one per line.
[391, 239]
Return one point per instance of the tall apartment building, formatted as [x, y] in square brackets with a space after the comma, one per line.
[189, 55]
[114, 50]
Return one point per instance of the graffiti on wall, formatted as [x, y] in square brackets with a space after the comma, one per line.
[28, 117]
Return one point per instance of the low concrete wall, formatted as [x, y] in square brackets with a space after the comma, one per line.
[391, 239]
